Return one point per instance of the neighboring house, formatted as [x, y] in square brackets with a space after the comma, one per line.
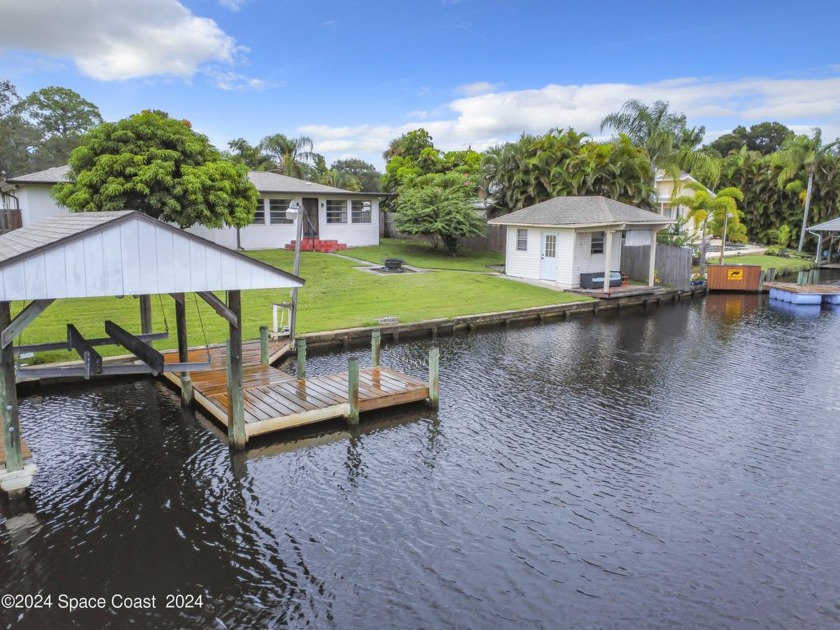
[668, 189]
[562, 238]
[332, 216]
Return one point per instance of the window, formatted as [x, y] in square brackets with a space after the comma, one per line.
[277, 211]
[522, 240]
[597, 243]
[336, 211]
[360, 211]
[259, 215]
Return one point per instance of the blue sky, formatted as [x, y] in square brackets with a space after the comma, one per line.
[354, 74]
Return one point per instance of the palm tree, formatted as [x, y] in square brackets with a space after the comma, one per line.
[669, 142]
[798, 153]
[704, 206]
[293, 156]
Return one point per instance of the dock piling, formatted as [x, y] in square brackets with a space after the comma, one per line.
[301, 358]
[434, 377]
[375, 348]
[264, 345]
[353, 390]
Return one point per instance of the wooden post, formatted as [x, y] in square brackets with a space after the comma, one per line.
[301, 358]
[183, 348]
[771, 274]
[353, 390]
[652, 259]
[145, 314]
[608, 239]
[236, 409]
[264, 345]
[761, 278]
[434, 377]
[375, 347]
[8, 397]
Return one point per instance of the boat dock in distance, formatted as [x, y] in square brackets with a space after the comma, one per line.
[803, 293]
[275, 400]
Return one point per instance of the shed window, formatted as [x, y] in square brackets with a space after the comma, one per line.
[597, 243]
[336, 211]
[259, 215]
[277, 211]
[360, 211]
[522, 240]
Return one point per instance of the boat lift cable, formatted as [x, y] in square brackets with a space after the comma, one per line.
[163, 312]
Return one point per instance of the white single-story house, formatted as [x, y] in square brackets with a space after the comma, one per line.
[560, 239]
[332, 216]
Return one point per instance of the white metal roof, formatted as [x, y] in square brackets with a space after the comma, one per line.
[828, 226]
[96, 254]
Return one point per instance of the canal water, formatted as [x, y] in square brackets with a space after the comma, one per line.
[676, 467]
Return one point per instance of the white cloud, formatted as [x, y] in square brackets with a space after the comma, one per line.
[484, 120]
[119, 39]
[233, 5]
[477, 88]
[229, 81]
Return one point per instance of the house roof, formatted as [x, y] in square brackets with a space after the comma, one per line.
[827, 226]
[264, 181]
[95, 254]
[581, 212]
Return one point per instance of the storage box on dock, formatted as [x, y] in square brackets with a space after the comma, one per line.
[744, 278]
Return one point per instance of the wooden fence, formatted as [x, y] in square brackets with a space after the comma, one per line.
[10, 220]
[493, 241]
[673, 264]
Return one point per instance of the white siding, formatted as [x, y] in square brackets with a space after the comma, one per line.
[132, 258]
[37, 204]
[587, 262]
[637, 237]
[566, 259]
[523, 264]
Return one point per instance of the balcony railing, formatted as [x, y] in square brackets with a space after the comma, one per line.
[10, 220]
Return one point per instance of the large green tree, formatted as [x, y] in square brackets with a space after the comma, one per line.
[671, 145]
[714, 213]
[18, 136]
[292, 156]
[366, 174]
[765, 137]
[160, 166]
[563, 162]
[240, 151]
[798, 153]
[440, 207]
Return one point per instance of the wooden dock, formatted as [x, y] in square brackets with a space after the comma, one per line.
[792, 287]
[274, 400]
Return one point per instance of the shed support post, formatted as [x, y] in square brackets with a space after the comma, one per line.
[375, 348]
[264, 345]
[236, 408]
[608, 239]
[145, 314]
[434, 377]
[183, 348]
[301, 358]
[652, 260]
[8, 398]
[353, 390]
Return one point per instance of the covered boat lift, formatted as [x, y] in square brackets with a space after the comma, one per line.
[827, 233]
[102, 254]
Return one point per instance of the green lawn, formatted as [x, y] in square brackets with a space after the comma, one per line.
[422, 254]
[336, 295]
[782, 265]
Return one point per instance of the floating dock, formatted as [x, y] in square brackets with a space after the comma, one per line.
[275, 400]
[804, 293]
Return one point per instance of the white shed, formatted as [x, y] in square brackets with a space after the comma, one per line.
[562, 238]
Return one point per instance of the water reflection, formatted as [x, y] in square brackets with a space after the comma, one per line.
[624, 471]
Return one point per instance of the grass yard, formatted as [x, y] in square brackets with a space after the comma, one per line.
[335, 296]
[422, 254]
[782, 265]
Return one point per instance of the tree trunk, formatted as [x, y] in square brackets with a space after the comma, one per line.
[807, 208]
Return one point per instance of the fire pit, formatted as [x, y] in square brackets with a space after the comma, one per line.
[393, 265]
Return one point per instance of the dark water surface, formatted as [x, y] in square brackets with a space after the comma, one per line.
[676, 468]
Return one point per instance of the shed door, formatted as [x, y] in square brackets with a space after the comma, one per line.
[548, 256]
